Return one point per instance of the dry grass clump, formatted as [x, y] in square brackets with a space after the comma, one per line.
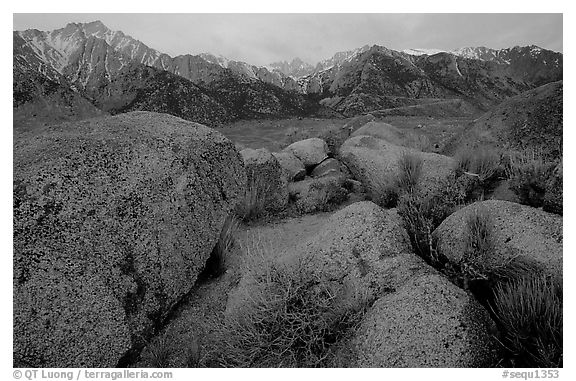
[529, 173]
[482, 162]
[409, 172]
[530, 316]
[479, 244]
[292, 319]
[254, 203]
[217, 262]
[387, 191]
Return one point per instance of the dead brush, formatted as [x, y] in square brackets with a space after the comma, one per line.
[291, 318]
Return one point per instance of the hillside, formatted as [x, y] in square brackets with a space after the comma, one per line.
[532, 119]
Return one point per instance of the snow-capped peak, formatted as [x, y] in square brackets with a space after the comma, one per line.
[421, 52]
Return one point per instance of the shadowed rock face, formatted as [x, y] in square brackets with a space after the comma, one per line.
[114, 219]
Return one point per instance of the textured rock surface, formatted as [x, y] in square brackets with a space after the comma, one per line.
[428, 322]
[330, 167]
[319, 194]
[292, 166]
[519, 232]
[310, 151]
[374, 161]
[113, 220]
[263, 172]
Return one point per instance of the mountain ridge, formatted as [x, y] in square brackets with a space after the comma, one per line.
[96, 64]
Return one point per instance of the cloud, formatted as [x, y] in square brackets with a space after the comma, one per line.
[264, 38]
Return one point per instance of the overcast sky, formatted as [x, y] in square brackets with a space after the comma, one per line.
[264, 38]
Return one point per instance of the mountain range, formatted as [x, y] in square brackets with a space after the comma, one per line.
[86, 69]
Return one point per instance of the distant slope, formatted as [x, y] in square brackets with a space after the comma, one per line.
[532, 119]
[361, 83]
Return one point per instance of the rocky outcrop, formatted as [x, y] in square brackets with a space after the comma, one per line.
[265, 178]
[292, 166]
[415, 317]
[428, 322]
[310, 151]
[518, 233]
[114, 219]
[374, 162]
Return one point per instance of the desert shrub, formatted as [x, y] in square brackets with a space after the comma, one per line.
[292, 319]
[529, 313]
[409, 172]
[481, 162]
[386, 191]
[254, 202]
[479, 244]
[422, 213]
[529, 173]
[217, 262]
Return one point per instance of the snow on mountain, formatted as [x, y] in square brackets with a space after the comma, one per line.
[420, 52]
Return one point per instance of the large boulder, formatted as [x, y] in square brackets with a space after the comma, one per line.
[393, 135]
[292, 166]
[374, 162]
[518, 233]
[320, 194]
[310, 151]
[266, 177]
[114, 219]
[428, 322]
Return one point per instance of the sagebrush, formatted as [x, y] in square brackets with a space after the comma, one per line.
[529, 173]
[292, 319]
